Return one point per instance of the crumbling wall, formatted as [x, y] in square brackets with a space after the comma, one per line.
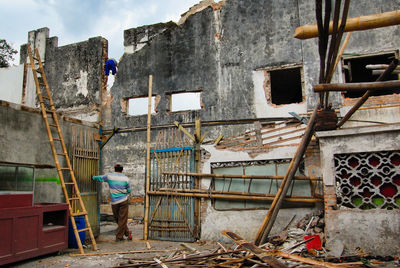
[74, 73]
[223, 51]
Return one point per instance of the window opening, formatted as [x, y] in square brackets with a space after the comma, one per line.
[276, 167]
[368, 180]
[139, 105]
[185, 101]
[286, 86]
[356, 71]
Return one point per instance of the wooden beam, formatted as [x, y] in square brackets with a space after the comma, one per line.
[353, 24]
[262, 254]
[184, 131]
[358, 86]
[235, 176]
[228, 196]
[148, 168]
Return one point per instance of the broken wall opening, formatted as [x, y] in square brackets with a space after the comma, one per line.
[286, 86]
[184, 101]
[367, 68]
[139, 105]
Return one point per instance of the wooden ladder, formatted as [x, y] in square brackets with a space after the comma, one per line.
[55, 136]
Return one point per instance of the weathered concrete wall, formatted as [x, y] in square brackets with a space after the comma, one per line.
[368, 229]
[11, 84]
[222, 51]
[74, 73]
[23, 139]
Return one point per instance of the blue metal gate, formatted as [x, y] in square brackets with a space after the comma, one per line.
[171, 217]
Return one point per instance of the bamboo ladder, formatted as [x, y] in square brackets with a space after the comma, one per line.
[42, 85]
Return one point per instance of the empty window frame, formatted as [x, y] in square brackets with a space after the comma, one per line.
[367, 68]
[185, 101]
[255, 186]
[139, 105]
[285, 85]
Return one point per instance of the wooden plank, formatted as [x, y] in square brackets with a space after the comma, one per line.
[147, 207]
[228, 196]
[354, 87]
[262, 254]
[305, 260]
[353, 24]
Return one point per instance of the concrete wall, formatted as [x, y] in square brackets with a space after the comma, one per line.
[74, 73]
[23, 139]
[368, 229]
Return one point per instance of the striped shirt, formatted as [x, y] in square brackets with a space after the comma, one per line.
[119, 186]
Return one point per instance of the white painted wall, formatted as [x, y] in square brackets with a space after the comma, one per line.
[11, 83]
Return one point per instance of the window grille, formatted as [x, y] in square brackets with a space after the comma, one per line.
[368, 180]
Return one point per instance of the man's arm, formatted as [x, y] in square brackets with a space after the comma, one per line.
[99, 178]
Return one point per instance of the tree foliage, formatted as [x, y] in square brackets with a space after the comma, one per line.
[6, 53]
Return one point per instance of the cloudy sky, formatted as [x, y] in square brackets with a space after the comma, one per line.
[78, 20]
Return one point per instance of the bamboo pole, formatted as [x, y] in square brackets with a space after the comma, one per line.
[269, 219]
[148, 168]
[357, 86]
[234, 196]
[353, 24]
[235, 176]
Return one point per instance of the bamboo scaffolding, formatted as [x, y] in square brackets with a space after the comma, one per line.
[353, 24]
[235, 176]
[229, 196]
[357, 86]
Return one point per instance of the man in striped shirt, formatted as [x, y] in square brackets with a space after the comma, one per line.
[119, 193]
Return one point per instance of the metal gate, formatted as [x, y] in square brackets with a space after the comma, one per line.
[85, 161]
[171, 217]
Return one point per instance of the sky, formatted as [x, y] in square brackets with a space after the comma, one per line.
[78, 20]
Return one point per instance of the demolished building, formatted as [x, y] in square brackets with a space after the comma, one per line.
[240, 73]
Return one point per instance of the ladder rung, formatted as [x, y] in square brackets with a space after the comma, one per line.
[83, 230]
[50, 111]
[73, 198]
[53, 125]
[35, 58]
[56, 139]
[38, 70]
[61, 154]
[69, 183]
[79, 214]
[45, 97]
[64, 168]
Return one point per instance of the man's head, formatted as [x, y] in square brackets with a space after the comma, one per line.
[118, 168]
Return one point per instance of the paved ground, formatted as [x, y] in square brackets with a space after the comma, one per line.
[106, 243]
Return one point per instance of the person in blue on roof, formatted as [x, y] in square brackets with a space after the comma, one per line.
[119, 192]
[111, 65]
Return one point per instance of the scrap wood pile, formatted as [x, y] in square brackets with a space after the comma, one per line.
[297, 245]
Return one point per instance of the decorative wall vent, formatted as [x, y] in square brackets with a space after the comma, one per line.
[368, 180]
